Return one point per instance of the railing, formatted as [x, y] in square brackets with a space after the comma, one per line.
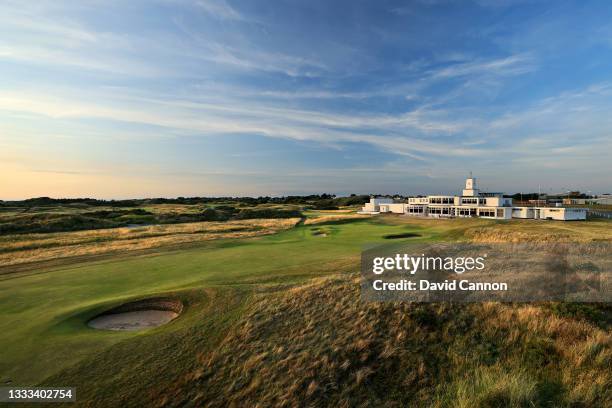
[599, 213]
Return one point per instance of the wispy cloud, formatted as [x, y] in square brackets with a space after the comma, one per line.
[512, 65]
[219, 9]
[415, 133]
[252, 59]
[398, 134]
[42, 20]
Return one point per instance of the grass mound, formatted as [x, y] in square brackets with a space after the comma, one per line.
[320, 345]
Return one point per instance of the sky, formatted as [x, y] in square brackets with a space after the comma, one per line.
[167, 98]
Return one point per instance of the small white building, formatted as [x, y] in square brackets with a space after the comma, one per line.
[373, 207]
[550, 213]
[471, 203]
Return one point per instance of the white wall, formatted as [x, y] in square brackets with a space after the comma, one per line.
[523, 212]
[397, 208]
[563, 214]
[507, 211]
[494, 201]
[553, 213]
[369, 207]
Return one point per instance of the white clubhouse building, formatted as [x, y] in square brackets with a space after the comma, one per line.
[471, 203]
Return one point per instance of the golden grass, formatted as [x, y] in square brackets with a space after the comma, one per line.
[343, 210]
[542, 231]
[331, 216]
[22, 248]
[515, 230]
[320, 345]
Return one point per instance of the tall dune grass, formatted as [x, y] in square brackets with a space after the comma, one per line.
[23, 248]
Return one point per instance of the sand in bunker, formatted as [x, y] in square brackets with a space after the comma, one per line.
[130, 321]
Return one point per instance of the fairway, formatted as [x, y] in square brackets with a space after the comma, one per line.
[45, 311]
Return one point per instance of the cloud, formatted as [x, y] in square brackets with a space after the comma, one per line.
[220, 9]
[508, 66]
[46, 57]
[423, 133]
[249, 58]
[569, 109]
[50, 35]
[394, 133]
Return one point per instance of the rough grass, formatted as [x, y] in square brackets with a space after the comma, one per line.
[79, 217]
[542, 231]
[319, 345]
[323, 216]
[20, 248]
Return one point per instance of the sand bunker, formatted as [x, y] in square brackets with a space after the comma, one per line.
[139, 315]
[130, 321]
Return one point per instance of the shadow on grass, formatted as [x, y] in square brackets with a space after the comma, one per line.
[402, 235]
[550, 393]
[343, 221]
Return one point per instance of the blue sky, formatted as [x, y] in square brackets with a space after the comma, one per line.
[212, 97]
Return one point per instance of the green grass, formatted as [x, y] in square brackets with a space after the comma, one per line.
[44, 314]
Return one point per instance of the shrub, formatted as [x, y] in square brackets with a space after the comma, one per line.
[209, 214]
[267, 213]
[595, 312]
